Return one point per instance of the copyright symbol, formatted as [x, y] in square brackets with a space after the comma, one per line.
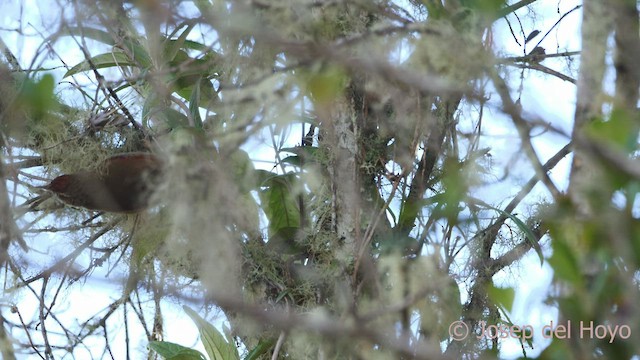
[458, 330]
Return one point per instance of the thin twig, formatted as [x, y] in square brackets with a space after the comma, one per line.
[279, 343]
[46, 273]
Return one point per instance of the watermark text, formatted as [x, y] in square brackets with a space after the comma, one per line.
[459, 330]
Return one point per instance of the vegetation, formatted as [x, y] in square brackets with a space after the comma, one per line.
[344, 179]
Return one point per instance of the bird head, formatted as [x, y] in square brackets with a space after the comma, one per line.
[68, 188]
[59, 185]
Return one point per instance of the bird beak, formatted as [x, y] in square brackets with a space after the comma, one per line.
[43, 187]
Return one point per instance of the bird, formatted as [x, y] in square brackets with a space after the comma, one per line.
[537, 54]
[123, 184]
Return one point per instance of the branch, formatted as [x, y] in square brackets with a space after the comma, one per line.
[331, 328]
[523, 130]
[512, 8]
[546, 70]
[491, 232]
[8, 228]
[58, 265]
[528, 58]
[586, 180]
[411, 207]
[487, 267]
[6, 348]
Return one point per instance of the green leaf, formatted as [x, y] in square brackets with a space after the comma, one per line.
[292, 160]
[558, 349]
[263, 177]
[107, 60]
[635, 239]
[37, 96]
[194, 108]
[33, 112]
[325, 85]
[89, 33]
[435, 9]
[243, 170]
[184, 87]
[486, 6]
[193, 72]
[173, 118]
[194, 45]
[140, 55]
[171, 351]
[501, 296]
[620, 131]
[564, 262]
[172, 46]
[167, 116]
[308, 154]
[217, 347]
[204, 6]
[279, 203]
[262, 348]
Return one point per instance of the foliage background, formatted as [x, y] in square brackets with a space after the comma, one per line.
[345, 178]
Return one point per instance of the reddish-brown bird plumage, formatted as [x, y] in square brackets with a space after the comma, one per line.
[124, 184]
